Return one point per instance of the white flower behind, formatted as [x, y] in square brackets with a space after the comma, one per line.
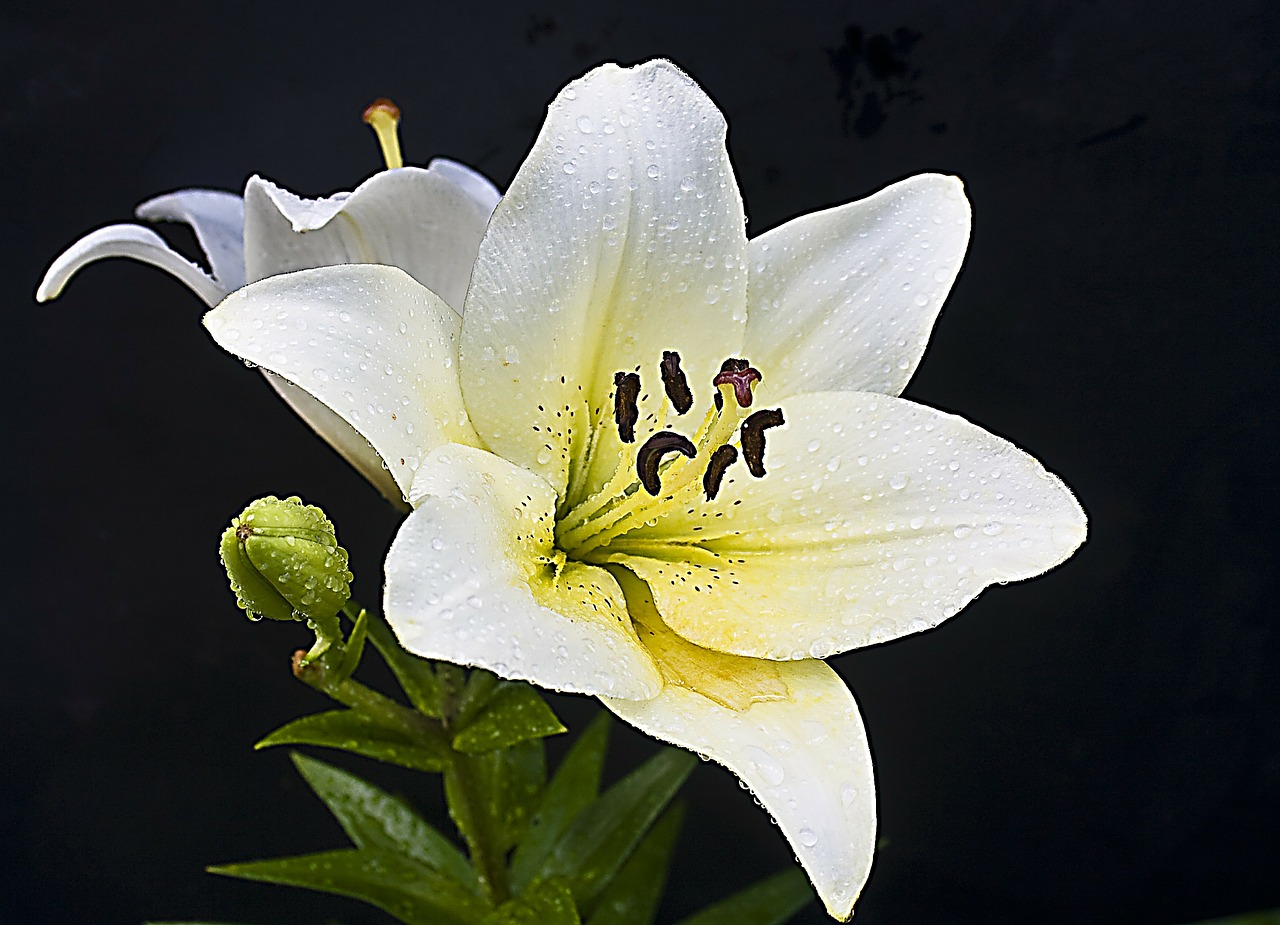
[661, 464]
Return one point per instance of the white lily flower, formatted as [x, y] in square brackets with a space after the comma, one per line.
[575, 526]
[428, 222]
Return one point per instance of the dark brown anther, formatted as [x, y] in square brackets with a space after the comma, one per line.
[649, 457]
[626, 391]
[674, 381]
[721, 459]
[740, 375]
[752, 438]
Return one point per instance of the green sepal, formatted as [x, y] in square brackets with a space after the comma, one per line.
[354, 732]
[415, 675]
[575, 784]
[771, 901]
[548, 903]
[283, 561]
[603, 835]
[374, 819]
[633, 896]
[492, 796]
[413, 893]
[514, 712]
[354, 649]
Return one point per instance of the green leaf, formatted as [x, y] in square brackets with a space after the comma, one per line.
[514, 713]
[575, 784]
[354, 648]
[632, 897]
[414, 894]
[603, 835]
[374, 819]
[492, 796]
[547, 903]
[475, 694]
[353, 732]
[770, 902]
[414, 674]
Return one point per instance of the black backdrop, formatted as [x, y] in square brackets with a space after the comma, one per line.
[1099, 745]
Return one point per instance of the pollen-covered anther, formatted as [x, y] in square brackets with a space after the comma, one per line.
[626, 410]
[650, 455]
[751, 436]
[675, 382]
[721, 459]
[739, 374]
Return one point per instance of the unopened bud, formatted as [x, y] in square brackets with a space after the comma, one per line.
[284, 562]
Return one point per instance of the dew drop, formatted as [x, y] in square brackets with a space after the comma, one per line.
[808, 838]
[584, 125]
[765, 765]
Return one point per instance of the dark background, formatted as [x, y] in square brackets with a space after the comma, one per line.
[1098, 745]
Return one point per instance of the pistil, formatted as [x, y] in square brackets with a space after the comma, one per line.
[383, 116]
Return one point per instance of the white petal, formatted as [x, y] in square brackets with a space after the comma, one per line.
[216, 217]
[427, 222]
[340, 435]
[620, 237]
[126, 241]
[845, 298]
[368, 342]
[877, 517]
[801, 748]
[469, 581]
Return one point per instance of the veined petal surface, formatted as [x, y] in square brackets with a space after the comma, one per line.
[368, 342]
[216, 217]
[845, 299]
[473, 577]
[877, 517]
[427, 221]
[620, 237]
[790, 730]
[133, 241]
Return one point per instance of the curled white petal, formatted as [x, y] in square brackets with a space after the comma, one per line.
[216, 217]
[132, 241]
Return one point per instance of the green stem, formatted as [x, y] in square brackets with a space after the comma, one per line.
[466, 804]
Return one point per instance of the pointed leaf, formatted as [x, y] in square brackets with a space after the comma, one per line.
[547, 903]
[374, 819]
[353, 732]
[772, 901]
[354, 647]
[414, 894]
[603, 835]
[492, 796]
[514, 713]
[480, 686]
[632, 897]
[414, 674]
[575, 784]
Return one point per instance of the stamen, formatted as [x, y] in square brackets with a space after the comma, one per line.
[752, 438]
[740, 375]
[674, 381]
[626, 411]
[649, 457]
[383, 116]
[721, 459]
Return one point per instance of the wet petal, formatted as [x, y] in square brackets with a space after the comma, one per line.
[620, 237]
[473, 578]
[127, 241]
[877, 517]
[790, 730]
[845, 298]
[217, 218]
[427, 222]
[368, 342]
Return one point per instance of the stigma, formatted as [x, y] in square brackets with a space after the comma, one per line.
[383, 116]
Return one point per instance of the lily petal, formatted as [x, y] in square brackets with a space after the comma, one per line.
[620, 237]
[877, 517]
[844, 299]
[216, 217]
[133, 241]
[800, 745]
[368, 342]
[473, 577]
[427, 222]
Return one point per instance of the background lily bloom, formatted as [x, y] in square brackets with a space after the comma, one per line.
[588, 531]
[426, 221]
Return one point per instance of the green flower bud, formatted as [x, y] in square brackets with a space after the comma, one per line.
[284, 562]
